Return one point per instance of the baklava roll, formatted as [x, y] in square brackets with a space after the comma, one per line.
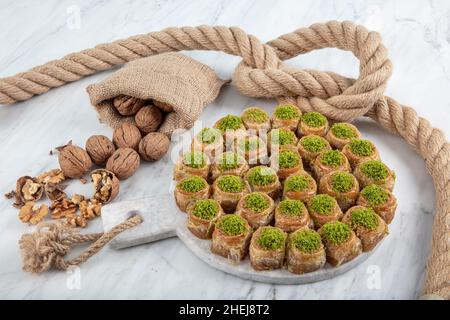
[367, 225]
[330, 161]
[342, 133]
[341, 243]
[252, 148]
[231, 237]
[313, 123]
[381, 200]
[192, 163]
[203, 213]
[291, 215]
[375, 172]
[231, 127]
[322, 209]
[229, 163]
[227, 190]
[257, 208]
[299, 186]
[267, 248]
[263, 179]
[286, 116]
[305, 251]
[210, 141]
[310, 147]
[190, 188]
[359, 150]
[286, 162]
[256, 119]
[341, 185]
[281, 137]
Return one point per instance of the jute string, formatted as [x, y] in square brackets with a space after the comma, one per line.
[263, 74]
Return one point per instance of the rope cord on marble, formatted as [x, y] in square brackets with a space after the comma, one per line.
[263, 74]
[51, 242]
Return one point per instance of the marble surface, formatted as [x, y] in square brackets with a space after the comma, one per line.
[417, 34]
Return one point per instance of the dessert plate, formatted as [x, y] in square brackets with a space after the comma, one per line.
[162, 219]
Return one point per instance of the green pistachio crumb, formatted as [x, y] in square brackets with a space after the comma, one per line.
[261, 176]
[208, 135]
[287, 112]
[256, 202]
[342, 181]
[343, 130]
[313, 143]
[288, 159]
[271, 238]
[314, 119]
[375, 170]
[285, 137]
[332, 158]
[230, 161]
[375, 195]
[230, 122]
[297, 183]
[255, 115]
[293, 208]
[364, 217]
[322, 204]
[336, 232]
[306, 240]
[232, 225]
[205, 209]
[362, 148]
[194, 159]
[230, 183]
[192, 184]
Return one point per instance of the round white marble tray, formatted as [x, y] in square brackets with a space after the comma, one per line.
[162, 219]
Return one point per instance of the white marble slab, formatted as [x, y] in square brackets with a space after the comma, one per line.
[417, 34]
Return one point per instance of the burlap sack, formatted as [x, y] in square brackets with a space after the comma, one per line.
[172, 78]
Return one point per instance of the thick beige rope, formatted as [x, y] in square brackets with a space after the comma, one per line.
[262, 74]
[51, 242]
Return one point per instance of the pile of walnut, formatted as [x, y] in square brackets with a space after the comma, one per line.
[120, 158]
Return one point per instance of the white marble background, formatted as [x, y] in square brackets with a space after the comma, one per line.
[417, 34]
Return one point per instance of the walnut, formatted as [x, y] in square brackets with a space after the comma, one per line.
[63, 208]
[32, 213]
[153, 146]
[106, 185]
[148, 119]
[76, 221]
[127, 136]
[163, 106]
[27, 189]
[90, 208]
[55, 191]
[123, 163]
[99, 148]
[74, 161]
[54, 176]
[77, 198]
[127, 105]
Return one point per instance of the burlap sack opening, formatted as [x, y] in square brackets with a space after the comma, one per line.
[178, 80]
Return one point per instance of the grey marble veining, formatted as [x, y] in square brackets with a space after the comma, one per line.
[417, 34]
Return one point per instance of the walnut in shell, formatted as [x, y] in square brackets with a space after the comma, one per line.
[32, 213]
[163, 106]
[127, 105]
[127, 136]
[74, 161]
[106, 185]
[148, 119]
[99, 148]
[27, 189]
[154, 146]
[123, 163]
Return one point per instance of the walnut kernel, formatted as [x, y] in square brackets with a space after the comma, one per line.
[106, 185]
[27, 189]
[63, 208]
[32, 213]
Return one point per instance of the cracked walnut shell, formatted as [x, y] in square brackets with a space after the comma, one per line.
[99, 148]
[123, 163]
[127, 105]
[153, 146]
[148, 119]
[32, 213]
[27, 189]
[74, 161]
[127, 136]
[106, 185]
